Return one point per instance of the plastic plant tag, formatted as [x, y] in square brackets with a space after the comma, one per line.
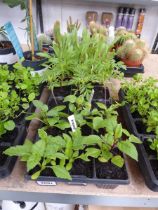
[46, 183]
[72, 122]
[91, 96]
[14, 39]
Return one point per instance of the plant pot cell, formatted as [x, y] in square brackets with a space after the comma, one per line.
[141, 128]
[62, 91]
[10, 136]
[136, 115]
[101, 93]
[82, 168]
[110, 171]
[3, 157]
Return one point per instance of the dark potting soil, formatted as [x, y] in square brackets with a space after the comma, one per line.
[56, 131]
[82, 168]
[86, 130]
[110, 171]
[136, 115]
[101, 93]
[141, 128]
[5, 44]
[62, 91]
[3, 156]
[36, 57]
[151, 153]
[52, 102]
[9, 137]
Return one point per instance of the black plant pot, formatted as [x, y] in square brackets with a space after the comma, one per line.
[13, 138]
[36, 65]
[148, 161]
[131, 71]
[7, 54]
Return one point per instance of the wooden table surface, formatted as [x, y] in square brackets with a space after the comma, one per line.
[16, 187]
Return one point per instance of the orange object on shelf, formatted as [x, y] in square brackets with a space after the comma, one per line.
[140, 22]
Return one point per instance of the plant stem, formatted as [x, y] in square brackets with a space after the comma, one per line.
[54, 97]
[31, 30]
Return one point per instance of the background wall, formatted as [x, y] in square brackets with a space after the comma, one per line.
[61, 9]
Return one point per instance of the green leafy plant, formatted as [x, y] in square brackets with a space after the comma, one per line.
[57, 153]
[80, 62]
[17, 90]
[55, 117]
[142, 95]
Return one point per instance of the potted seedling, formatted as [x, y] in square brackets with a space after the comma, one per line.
[31, 58]
[130, 50]
[18, 89]
[7, 52]
[141, 117]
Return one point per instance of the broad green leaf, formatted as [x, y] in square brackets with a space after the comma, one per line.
[128, 148]
[55, 111]
[110, 124]
[134, 139]
[109, 139]
[36, 175]
[40, 105]
[57, 140]
[101, 106]
[22, 150]
[25, 105]
[53, 121]
[118, 161]
[84, 157]
[31, 117]
[61, 155]
[33, 161]
[70, 98]
[118, 131]
[61, 172]
[98, 123]
[42, 134]
[91, 140]
[92, 152]
[107, 155]
[63, 125]
[38, 148]
[9, 125]
[126, 132]
[31, 96]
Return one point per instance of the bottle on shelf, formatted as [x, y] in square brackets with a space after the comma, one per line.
[140, 22]
[131, 18]
[125, 17]
[119, 17]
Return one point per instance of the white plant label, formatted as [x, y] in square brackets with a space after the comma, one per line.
[91, 96]
[46, 183]
[72, 122]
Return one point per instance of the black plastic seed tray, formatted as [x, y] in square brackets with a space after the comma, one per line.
[13, 138]
[133, 121]
[148, 161]
[104, 175]
[148, 164]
